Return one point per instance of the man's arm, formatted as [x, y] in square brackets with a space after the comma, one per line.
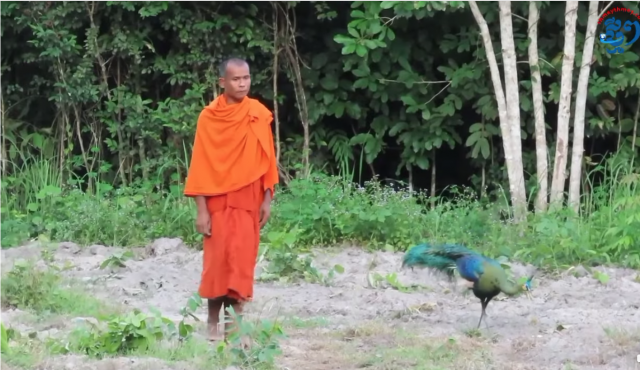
[268, 196]
[201, 203]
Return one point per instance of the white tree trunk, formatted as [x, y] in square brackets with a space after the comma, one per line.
[542, 167]
[564, 106]
[518, 196]
[580, 108]
[516, 185]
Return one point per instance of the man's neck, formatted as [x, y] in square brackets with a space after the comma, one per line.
[230, 100]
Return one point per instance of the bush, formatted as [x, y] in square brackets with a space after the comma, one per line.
[329, 210]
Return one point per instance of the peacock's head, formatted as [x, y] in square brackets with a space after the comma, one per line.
[527, 288]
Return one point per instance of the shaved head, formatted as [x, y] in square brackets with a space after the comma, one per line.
[236, 62]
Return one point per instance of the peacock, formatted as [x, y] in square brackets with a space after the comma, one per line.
[488, 277]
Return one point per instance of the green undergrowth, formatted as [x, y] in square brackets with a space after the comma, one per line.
[328, 211]
[99, 332]
[44, 291]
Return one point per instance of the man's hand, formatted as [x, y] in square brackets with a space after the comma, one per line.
[265, 212]
[203, 223]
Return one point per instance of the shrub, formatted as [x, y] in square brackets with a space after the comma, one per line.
[328, 210]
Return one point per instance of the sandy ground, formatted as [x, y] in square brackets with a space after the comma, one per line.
[573, 322]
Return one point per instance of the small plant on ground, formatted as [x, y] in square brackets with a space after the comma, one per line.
[43, 290]
[286, 262]
[22, 351]
[376, 280]
[193, 304]
[263, 345]
[135, 331]
[4, 339]
[117, 260]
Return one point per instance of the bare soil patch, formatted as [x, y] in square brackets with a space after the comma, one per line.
[573, 322]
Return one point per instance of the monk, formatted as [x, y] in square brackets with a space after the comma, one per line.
[232, 176]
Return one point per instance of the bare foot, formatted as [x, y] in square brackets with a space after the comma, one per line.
[245, 342]
[215, 334]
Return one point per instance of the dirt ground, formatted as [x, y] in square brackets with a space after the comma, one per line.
[573, 321]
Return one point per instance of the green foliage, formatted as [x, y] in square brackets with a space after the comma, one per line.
[135, 331]
[140, 333]
[43, 290]
[116, 260]
[325, 210]
[265, 338]
[286, 262]
[118, 87]
[4, 339]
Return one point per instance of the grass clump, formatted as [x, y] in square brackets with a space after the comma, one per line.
[44, 291]
[327, 210]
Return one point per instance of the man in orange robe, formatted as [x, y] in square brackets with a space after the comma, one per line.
[232, 176]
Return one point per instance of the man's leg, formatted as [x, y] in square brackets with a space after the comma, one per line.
[232, 325]
[213, 320]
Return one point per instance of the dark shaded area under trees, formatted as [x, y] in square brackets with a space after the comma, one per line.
[113, 89]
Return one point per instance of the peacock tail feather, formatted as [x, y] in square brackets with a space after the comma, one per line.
[448, 258]
[420, 256]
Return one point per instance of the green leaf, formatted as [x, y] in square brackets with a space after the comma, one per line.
[343, 39]
[426, 114]
[422, 162]
[474, 151]
[404, 63]
[408, 100]
[359, 72]
[349, 49]
[338, 109]
[376, 55]
[483, 143]
[473, 138]
[476, 127]
[357, 13]
[361, 50]
[329, 82]
[390, 34]
[388, 4]
[361, 83]
[375, 27]
[319, 60]
[327, 98]
[370, 44]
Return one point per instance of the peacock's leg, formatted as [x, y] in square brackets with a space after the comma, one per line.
[484, 302]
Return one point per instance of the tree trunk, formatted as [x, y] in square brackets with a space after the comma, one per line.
[516, 186]
[580, 108]
[564, 106]
[517, 194]
[542, 167]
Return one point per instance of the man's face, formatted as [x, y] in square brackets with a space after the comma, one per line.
[237, 80]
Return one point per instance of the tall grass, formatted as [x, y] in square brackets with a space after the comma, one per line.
[332, 210]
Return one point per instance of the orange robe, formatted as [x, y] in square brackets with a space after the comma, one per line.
[232, 165]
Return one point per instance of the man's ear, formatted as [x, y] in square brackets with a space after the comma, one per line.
[221, 82]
